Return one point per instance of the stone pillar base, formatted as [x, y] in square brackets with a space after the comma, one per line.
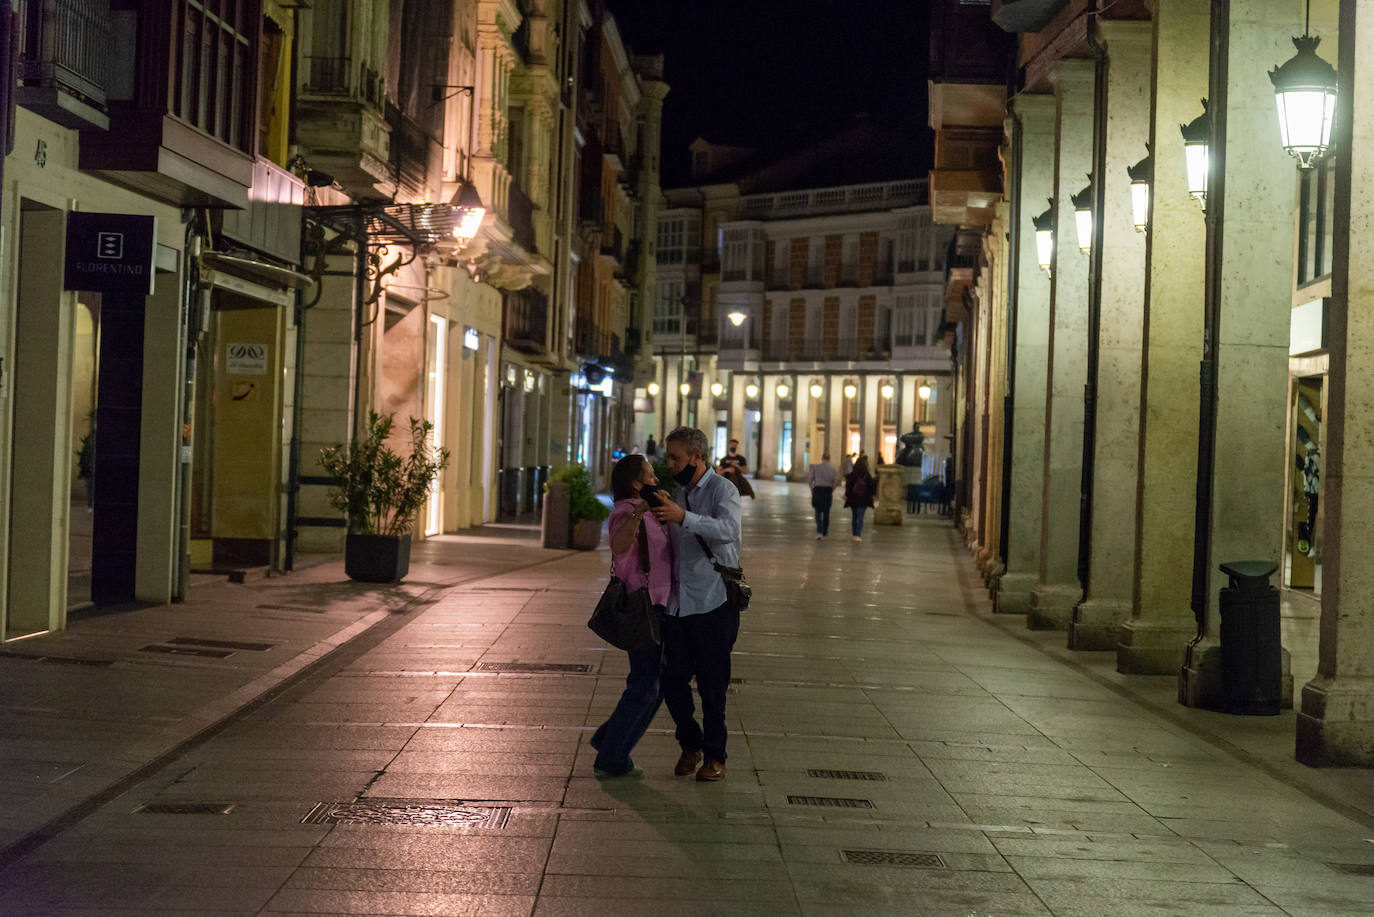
[890, 502]
[981, 558]
[1336, 724]
[1013, 593]
[1051, 607]
[1096, 624]
[1202, 684]
[1153, 648]
[993, 576]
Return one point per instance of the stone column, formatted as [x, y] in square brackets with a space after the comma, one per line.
[835, 433]
[995, 246]
[801, 426]
[1058, 590]
[1153, 639]
[1336, 722]
[1036, 113]
[772, 426]
[1111, 581]
[1255, 271]
[871, 423]
[978, 420]
[734, 422]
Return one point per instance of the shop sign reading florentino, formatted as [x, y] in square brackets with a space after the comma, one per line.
[110, 252]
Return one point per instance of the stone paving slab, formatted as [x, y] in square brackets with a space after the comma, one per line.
[1042, 784]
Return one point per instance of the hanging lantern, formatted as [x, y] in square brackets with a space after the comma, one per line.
[1197, 134]
[685, 388]
[850, 390]
[1083, 216]
[783, 391]
[817, 390]
[1140, 174]
[736, 318]
[653, 390]
[1305, 91]
[924, 392]
[751, 391]
[1044, 238]
[717, 389]
[887, 390]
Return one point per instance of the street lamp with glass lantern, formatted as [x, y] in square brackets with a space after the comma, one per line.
[1197, 134]
[817, 390]
[1140, 175]
[1044, 238]
[1305, 92]
[850, 390]
[751, 391]
[1083, 217]
[783, 391]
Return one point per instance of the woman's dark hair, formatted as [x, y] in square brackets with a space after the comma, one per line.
[861, 466]
[624, 474]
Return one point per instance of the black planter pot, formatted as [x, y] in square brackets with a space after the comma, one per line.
[377, 558]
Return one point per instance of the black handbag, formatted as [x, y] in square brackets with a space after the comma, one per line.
[625, 618]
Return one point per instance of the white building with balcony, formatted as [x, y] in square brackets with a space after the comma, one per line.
[804, 322]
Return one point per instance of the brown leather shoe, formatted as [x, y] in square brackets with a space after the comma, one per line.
[711, 771]
[688, 762]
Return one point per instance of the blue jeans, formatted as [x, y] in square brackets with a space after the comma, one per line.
[858, 512]
[616, 737]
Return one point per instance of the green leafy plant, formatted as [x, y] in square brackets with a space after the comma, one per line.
[379, 490]
[85, 457]
[582, 501]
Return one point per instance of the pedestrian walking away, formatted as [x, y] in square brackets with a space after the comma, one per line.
[858, 494]
[822, 479]
[700, 629]
[635, 535]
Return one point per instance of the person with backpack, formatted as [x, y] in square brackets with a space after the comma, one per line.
[859, 487]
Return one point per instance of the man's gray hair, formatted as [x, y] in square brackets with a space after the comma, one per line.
[692, 439]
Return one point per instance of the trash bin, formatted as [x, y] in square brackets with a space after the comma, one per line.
[1251, 650]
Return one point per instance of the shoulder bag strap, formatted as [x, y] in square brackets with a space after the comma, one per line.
[710, 555]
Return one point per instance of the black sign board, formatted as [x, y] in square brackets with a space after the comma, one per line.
[110, 252]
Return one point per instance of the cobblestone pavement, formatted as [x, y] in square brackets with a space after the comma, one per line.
[896, 749]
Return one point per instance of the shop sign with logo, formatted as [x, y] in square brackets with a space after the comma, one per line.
[110, 252]
[472, 340]
[244, 359]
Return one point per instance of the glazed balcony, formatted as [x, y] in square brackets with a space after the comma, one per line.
[65, 61]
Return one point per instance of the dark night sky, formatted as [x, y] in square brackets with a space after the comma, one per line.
[770, 72]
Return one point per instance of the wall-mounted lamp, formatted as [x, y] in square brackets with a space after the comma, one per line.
[1141, 174]
[685, 388]
[817, 390]
[717, 389]
[1083, 216]
[751, 391]
[653, 389]
[1197, 134]
[783, 391]
[924, 392]
[1044, 237]
[736, 318]
[1305, 91]
[850, 390]
[470, 213]
[887, 390]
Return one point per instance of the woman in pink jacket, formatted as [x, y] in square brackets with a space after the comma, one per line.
[635, 536]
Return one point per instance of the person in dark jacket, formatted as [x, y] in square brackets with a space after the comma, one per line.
[859, 488]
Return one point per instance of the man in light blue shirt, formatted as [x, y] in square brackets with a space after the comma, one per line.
[701, 626]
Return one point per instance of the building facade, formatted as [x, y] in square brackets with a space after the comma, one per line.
[1192, 359]
[801, 322]
[303, 172]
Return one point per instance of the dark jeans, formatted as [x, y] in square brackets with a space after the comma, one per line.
[699, 645]
[616, 737]
[858, 523]
[821, 498]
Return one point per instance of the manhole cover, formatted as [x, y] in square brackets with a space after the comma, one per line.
[432, 812]
[531, 667]
[185, 808]
[221, 644]
[187, 651]
[845, 775]
[832, 802]
[1353, 869]
[893, 858]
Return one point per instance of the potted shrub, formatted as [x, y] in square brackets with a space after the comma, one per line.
[381, 491]
[585, 511]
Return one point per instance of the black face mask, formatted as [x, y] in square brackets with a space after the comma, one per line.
[684, 477]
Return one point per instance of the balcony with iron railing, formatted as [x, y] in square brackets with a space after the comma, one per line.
[65, 61]
[842, 199]
[527, 319]
[410, 150]
[520, 215]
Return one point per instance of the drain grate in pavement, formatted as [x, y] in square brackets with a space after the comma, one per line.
[313, 611]
[63, 660]
[221, 644]
[893, 858]
[845, 775]
[832, 802]
[1353, 869]
[439, 813]
[531, 667]
[185, 808]
[187, 651]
